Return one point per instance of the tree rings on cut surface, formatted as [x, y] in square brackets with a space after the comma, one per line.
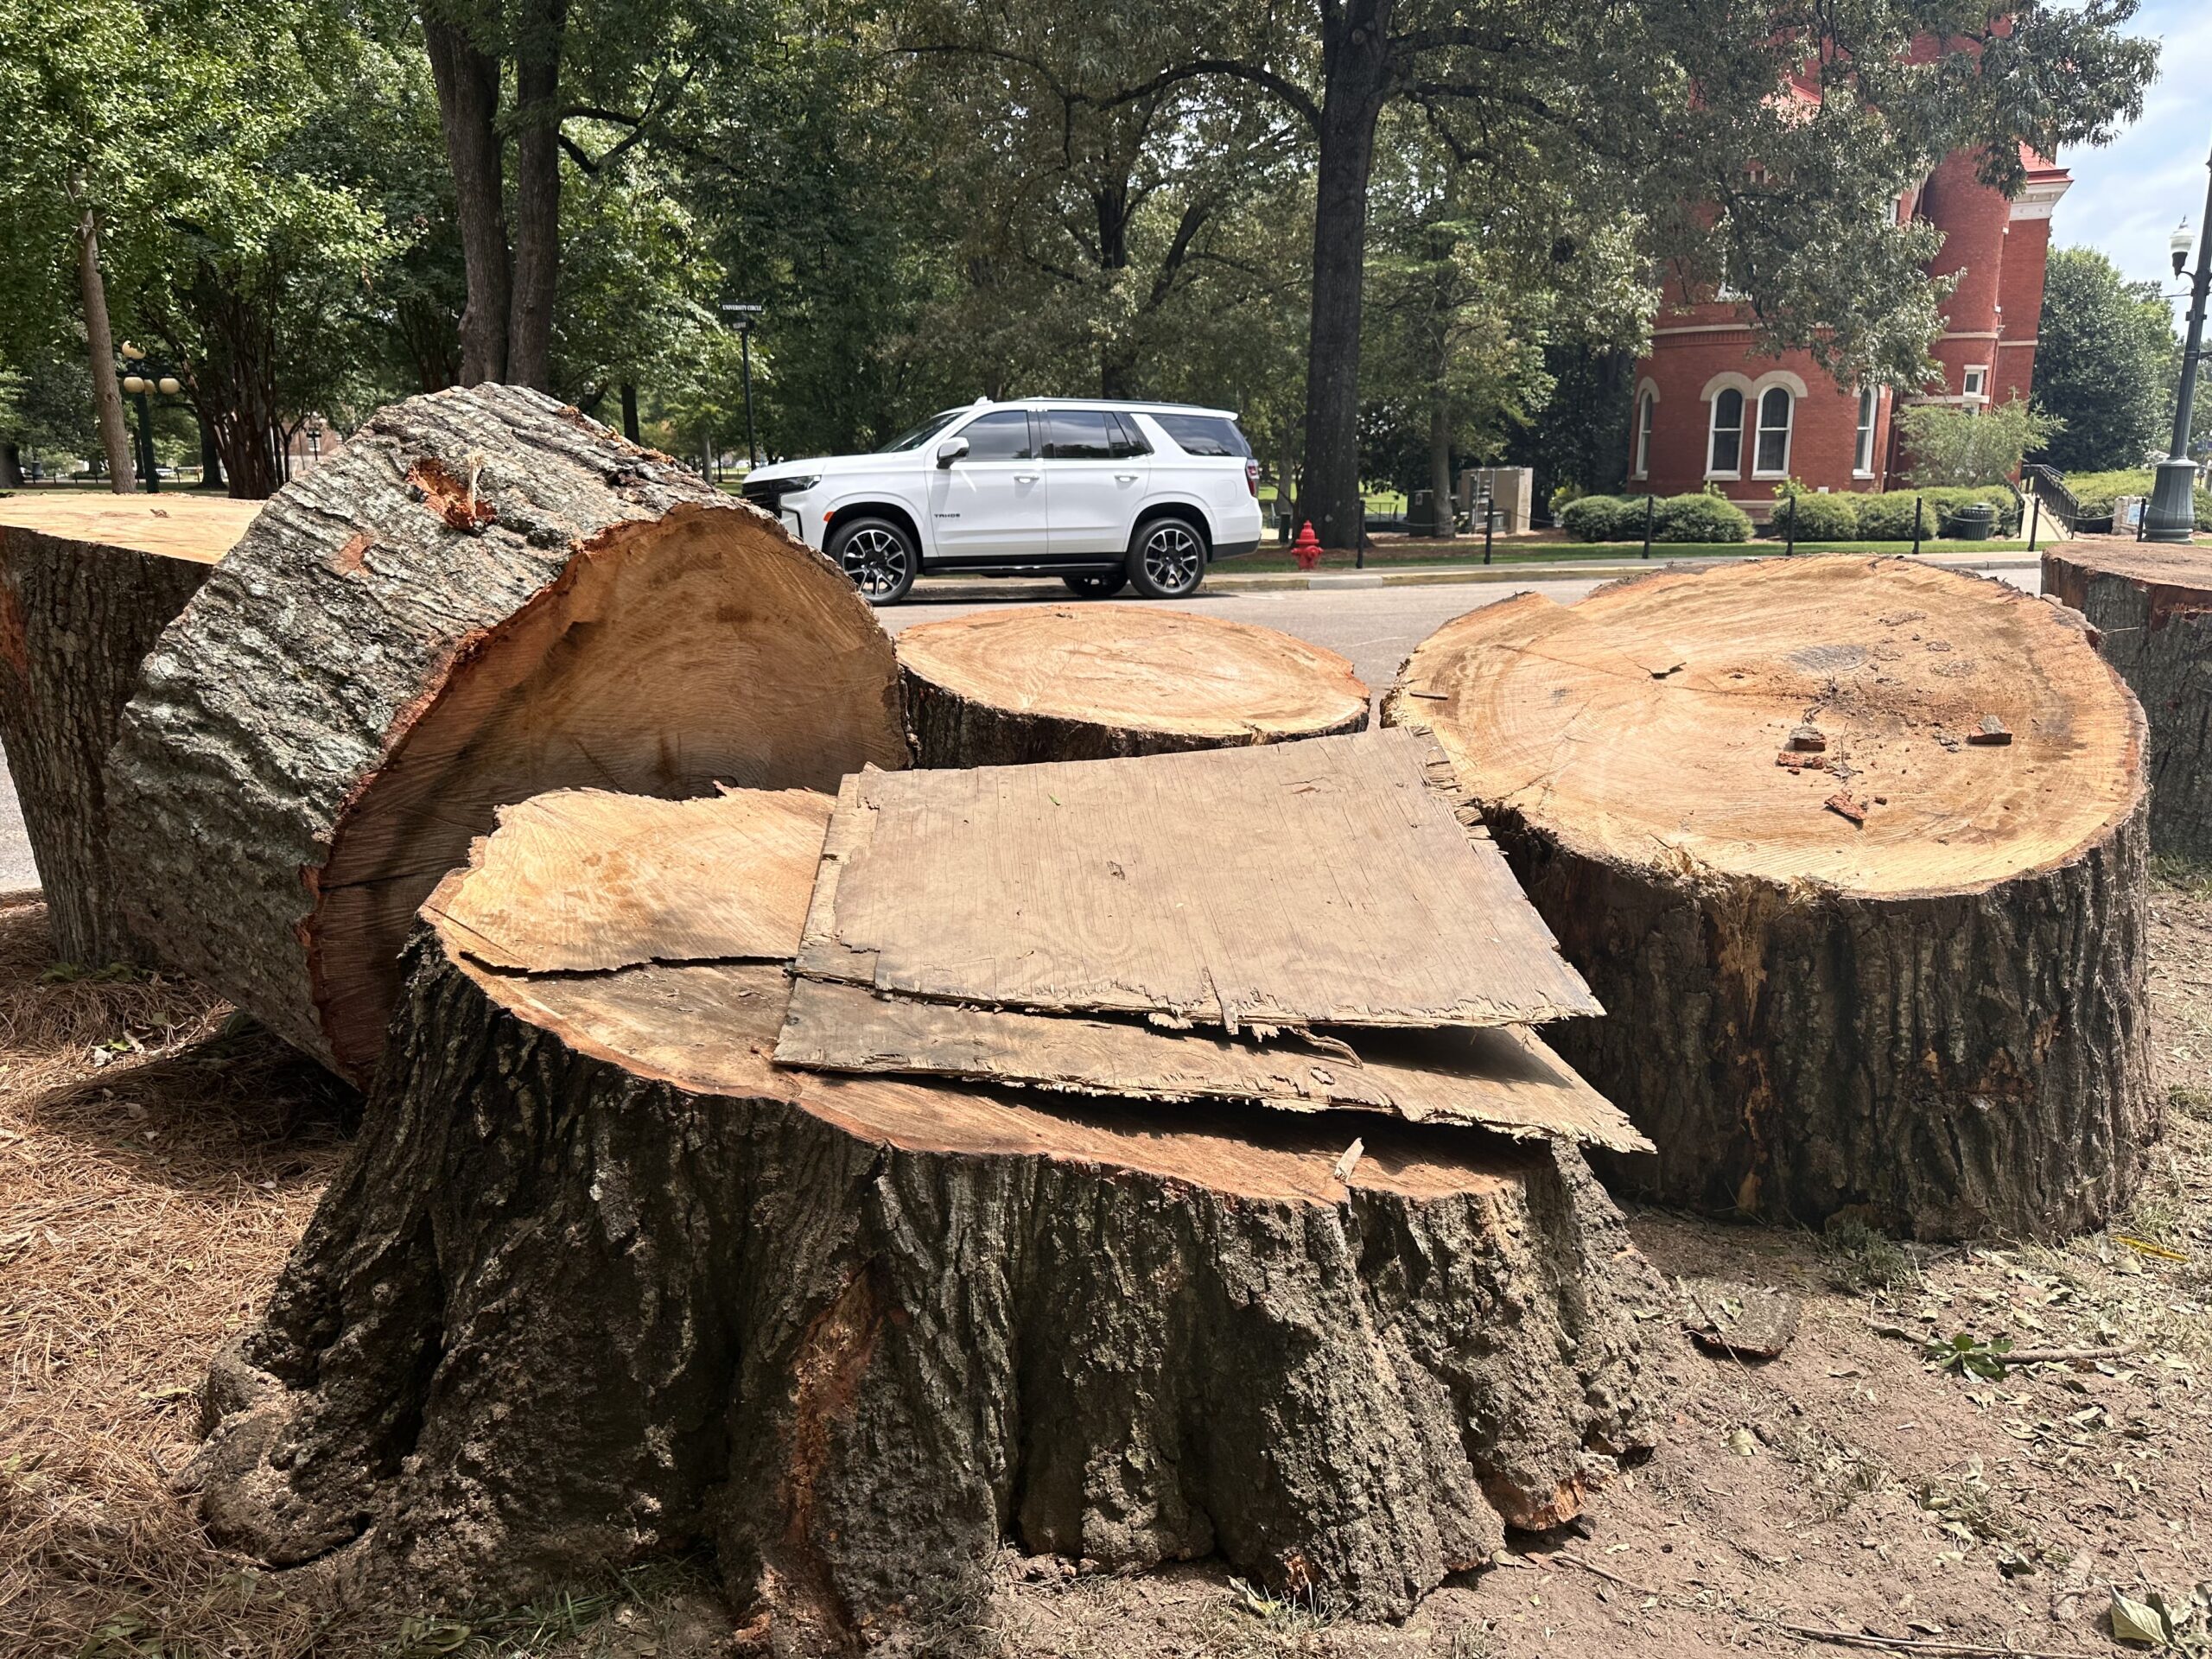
[483, 595]
[1899, 975]
[2152, 606]
[1093, 682]
[87, 583]
[853, 1334]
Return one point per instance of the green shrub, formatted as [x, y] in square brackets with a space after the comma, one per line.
[1889, 517]
[1604, 519]
[1701, 519]
[1818, 518]
[2096, 491]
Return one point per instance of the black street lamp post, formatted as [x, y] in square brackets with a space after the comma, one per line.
[2171, 514]
[746, 314]
[139, 384]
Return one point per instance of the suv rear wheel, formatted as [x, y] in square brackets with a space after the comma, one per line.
[878, 554]
[1102, 584]
[1168, 558]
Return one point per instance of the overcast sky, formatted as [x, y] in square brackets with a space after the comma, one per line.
[2127, 196]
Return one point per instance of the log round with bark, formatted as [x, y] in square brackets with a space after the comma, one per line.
[1853, 852]
[602, 1282]
[485, 594]
[2152, 606]
[1094, 682]
[87, 583]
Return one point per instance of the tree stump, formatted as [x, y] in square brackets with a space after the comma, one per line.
[1852, 851]
[1094, 682]
[2152, 606]
[483, 595]
[600, 1282]
[87, 583]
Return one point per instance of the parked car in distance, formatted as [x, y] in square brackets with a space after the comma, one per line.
[1096, 493]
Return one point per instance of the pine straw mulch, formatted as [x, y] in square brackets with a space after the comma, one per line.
[158, 1159]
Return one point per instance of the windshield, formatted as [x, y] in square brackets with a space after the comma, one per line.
[915, 438]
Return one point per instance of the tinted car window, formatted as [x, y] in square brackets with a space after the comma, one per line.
[1002, 436]
[1204, 435]
[1078, 434]
[1127, 441]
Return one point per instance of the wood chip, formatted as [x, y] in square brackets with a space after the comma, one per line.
[1806, 739]
[1991, 731]
[1843, 806]
[1349, 1162]
[1744, 1321]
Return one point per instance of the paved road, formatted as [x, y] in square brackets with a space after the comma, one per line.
[1375, 627]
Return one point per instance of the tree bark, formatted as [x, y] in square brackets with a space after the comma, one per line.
[481, 597]
[852, 1336]
[1356, 75]
[100, 340]
[11, 465]
[211, 454]
[630, 412]
[468, 109]
[1931, 1014]
[2152, 609]
[1094, 682]
[84, 591]
[1439, 468]
[537, 194]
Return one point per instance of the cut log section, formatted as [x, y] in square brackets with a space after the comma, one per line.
[1900, 975]
[483, 596]
[853, 1335]
[1094, 682]
[2151, 608]
[1499, 1077]
[87, 583]
[1326, 882]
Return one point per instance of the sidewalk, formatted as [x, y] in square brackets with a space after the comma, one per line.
[965, 589]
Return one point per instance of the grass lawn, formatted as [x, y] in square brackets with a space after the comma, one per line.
[1469, 550]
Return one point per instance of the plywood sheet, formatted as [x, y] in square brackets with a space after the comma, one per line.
[1325, 882]
[1501, 1078]
[584, 879]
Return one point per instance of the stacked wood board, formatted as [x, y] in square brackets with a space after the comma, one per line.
[856, 1185]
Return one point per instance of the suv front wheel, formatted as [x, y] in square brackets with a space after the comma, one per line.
[878, 554]
[1168, 558]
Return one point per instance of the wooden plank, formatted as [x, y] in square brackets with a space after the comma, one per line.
[583, 880]
[1325, 882]
[1499, 1077]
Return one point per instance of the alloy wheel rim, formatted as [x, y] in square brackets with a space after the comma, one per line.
[876, 560]
[1171, 557]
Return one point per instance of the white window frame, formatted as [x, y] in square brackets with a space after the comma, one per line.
[1647, 412]
[1713, 429]
[1862, 446]
[1759, 430]
[1974, 384]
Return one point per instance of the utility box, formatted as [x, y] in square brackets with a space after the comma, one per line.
[1512, 489]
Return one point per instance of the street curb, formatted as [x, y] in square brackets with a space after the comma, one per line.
[952, 591]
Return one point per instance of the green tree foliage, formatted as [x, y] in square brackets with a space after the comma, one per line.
[1947, 445]
[2103, 364]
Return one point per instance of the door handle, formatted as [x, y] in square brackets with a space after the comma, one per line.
[1025, 477]
[1125, 478]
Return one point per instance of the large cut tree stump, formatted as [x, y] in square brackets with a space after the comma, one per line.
[1853, 852]
[87, 583]
[485, 594]
[600, 1283]
[2152, 606]
[1094, 682]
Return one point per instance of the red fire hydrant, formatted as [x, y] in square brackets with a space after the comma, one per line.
[1306, 549]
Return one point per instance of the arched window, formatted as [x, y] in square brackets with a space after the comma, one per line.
[1726, 458]
[1772, 458]
[1862, 456]
[1646, 406]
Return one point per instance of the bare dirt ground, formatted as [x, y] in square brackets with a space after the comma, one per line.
[157, 1160]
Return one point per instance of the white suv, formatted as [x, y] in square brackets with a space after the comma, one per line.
[1095, 493]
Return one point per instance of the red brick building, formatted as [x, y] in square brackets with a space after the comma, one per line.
[1708, 409]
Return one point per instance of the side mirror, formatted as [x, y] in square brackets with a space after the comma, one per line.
[950, 450]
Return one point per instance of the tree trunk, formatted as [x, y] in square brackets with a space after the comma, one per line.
[481, 596]
[2152, 608]
[1090, 682]
[851, 1336]
[1439, 468]
[469, 111]
[1355, 72]
[211, 454]
[630, 413]
[1287, 504]
[1900, 975]
[11, 465]
[87, 584]
[537, 194]
[107, 391]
